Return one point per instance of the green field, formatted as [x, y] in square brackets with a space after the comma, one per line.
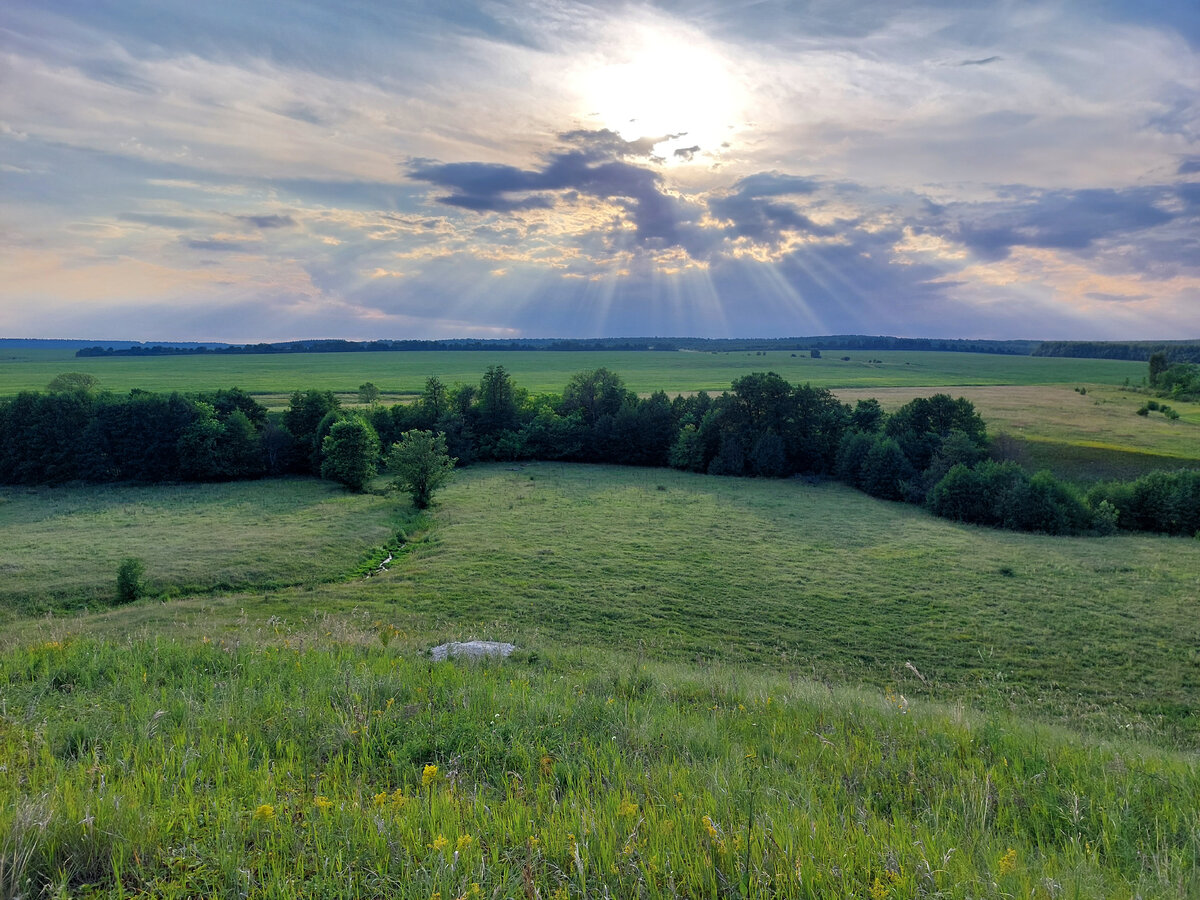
[725, 687]
[62, 545]
[403, 373]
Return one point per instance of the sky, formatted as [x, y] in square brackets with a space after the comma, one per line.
[259, 170]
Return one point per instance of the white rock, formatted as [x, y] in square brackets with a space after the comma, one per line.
[471, 650]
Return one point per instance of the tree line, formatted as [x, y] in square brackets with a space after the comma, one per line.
[933, 451]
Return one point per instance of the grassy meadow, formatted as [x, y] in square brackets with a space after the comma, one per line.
[723, 687]
[62, 545]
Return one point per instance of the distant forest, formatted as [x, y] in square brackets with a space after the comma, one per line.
[1137, 351]
[710, 345]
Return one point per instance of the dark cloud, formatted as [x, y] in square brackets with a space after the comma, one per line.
[687, 152]
[267, 221]
[160, 221]
[751, 207]
[223, 246]
[1067, 220]
[597, 168]
[987, 60]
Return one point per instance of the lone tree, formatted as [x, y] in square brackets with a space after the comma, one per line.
[351, 452]
[421, 464]
[73, 381]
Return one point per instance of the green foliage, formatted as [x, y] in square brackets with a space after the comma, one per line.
[350, 453]
[420, 465]
[73, 381]
[368, 393]
[885, 469]
[131, 580]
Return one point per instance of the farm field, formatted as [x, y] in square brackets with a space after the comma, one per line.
[403, 374]
[722, 685]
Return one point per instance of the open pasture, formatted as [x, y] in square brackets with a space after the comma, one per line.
[819, 580]
[724, 686]
[403, 374]
[62, 545]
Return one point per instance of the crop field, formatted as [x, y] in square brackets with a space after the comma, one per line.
[401, 374]
[723, 686]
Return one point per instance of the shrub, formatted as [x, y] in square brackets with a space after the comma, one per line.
[131, 580]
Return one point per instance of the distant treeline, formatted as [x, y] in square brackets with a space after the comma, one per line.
[932, 451]
[710, 345]
[1135, 351]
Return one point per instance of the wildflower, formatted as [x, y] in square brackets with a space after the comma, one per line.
[464, 841]
[1008, 861]
[534, 842]
[710, 828]
[627, 808]
[264, 813]
[322, 802]
[879, 890]
[398, 798]
[440, 843]
[429, 775]
[547, 765]
[380, 798]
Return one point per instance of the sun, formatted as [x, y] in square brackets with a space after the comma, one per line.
[660, 82]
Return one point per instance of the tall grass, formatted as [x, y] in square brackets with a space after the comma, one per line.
[337, 766]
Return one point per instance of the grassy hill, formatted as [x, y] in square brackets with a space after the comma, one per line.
[725, 687]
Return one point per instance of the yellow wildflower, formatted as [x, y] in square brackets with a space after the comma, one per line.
[710, 827]
[398, 798]
[464, 841]
[879, 890]
[534, 843]
[380, 798]
[440, 843]
[322, 802]
[627, 808]
[429, 775]
[1008, 861]
[265, 813]
[547, 765]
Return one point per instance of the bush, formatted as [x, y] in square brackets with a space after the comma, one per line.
[131, 580]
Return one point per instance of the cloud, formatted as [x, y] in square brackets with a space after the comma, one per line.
[987, 60]
[597, 169]
[267, 221]
[161, 221]
[687, 152]
[220, 245]
[1072, 220]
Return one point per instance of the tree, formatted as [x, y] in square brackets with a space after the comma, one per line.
[420, 464]
[73, 381]
[131, 580]
[350, 453]
[596, 393]
[368, 394]
[1158, 365]
[497, 401]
